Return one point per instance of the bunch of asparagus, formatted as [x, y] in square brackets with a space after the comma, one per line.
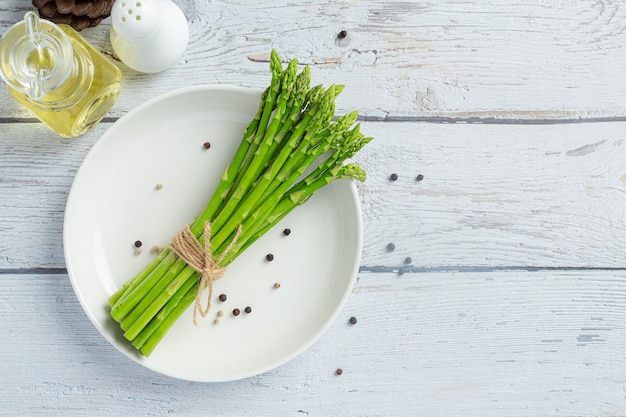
[294, 128]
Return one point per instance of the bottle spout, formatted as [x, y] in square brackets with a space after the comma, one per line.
[37, 90]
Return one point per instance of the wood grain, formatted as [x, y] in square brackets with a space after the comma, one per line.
[488, 344]
[497, 196]
[462, 59]
[505, 294]
[502, 196]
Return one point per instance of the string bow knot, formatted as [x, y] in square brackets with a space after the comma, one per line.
[200, 258]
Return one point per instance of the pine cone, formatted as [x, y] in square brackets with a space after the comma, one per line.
[79, 14]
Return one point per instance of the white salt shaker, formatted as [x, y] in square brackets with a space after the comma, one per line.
[148, 35]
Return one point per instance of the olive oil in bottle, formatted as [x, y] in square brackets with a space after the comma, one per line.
[63, 80]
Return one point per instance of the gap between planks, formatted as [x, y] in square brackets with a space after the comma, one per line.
[416, 119]
[378, 269]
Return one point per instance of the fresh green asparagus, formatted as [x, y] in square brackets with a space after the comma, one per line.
[292, 132]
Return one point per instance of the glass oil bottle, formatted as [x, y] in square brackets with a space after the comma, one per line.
[55, 73]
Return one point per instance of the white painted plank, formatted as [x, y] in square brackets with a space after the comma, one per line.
[474, 344]
[492, 195]
[36, 172]
[495, 195]
[460, 59]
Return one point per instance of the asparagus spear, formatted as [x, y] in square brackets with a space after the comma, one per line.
[279, 78]
[232, 169]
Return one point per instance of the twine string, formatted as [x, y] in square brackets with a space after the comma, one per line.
[200, 258]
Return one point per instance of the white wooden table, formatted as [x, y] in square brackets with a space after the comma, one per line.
[514, 302]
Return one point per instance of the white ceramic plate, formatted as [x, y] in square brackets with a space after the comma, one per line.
[114, 202]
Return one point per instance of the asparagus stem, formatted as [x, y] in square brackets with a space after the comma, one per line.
[298, 97]
[152, 295]
[166, 323]
[269, 106]
[132, 298]
[231, 171]
[136, 280]
[165, 312]
[159, 302]
[287, 89]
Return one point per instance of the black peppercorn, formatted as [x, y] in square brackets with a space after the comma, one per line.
[138, 243]
[352, 320]
[342, 34]
[269, 257]
[236, 312]
[287, 232]
[248, 309]
[339, 371]
[390, 247]
[393, 177]
[419, 177]
[207, 145]
[222, 297]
